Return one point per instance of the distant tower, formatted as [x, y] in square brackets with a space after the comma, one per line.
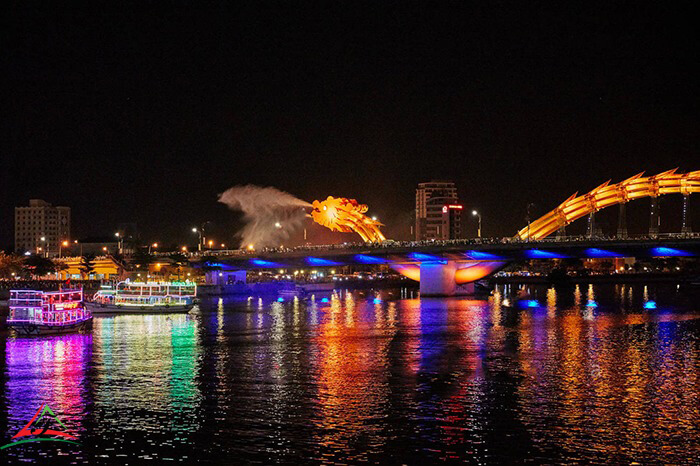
[438, 212]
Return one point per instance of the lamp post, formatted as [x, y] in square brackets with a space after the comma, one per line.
[199, 232]
[46, 246]
[529, 208]
[61, 245]
[154, 245]
[477, 214]
[120, 241]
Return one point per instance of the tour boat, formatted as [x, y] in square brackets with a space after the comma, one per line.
[144, 297]
[47, 312]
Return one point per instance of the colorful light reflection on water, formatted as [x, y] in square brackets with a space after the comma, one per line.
[376, 376]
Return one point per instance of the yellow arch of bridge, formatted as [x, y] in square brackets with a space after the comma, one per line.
[605, 195]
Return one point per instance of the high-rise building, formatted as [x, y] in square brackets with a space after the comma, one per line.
[438, 211]
[41, 220]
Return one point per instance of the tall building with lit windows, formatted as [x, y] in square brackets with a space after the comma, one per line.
[438, 211]
[41, 220]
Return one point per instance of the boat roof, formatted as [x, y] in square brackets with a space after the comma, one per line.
[157, 283]
[52, 292]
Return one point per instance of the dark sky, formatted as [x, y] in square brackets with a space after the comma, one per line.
[145, 112]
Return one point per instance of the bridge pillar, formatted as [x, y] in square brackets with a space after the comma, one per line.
[654, 217]
[561, 232]
[686, 207]
[622, 221]
[438, 279]
[590, 229]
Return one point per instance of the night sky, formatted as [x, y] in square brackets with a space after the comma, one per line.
[144, 112]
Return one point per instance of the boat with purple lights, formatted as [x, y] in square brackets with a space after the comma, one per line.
[47, 312]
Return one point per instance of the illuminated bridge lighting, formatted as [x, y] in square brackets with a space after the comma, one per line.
[540, 254]
[669, 252]
[321, 262]
[263, 263]
[480, 255]
[419, 256]
[365, 259]
[595, 252]
[606, 195]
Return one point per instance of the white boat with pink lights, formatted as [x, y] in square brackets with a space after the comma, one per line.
[47, 312]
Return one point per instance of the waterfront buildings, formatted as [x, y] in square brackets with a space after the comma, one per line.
[99, 268]
[41, 228]
[438, 211]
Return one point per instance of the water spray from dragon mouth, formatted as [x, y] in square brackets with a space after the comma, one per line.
[271, 215]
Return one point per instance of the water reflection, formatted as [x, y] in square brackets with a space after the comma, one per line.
[144, 382]
[588, 374]
[48, 370]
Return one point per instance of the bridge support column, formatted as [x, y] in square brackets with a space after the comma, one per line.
[438, 278]
[654, 217]
[590, 230]
[686, 214]
[622, 221]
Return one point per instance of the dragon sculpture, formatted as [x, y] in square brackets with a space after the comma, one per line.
[608, 194]
[346, 216]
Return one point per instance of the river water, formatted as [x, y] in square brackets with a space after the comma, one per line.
[589, 374]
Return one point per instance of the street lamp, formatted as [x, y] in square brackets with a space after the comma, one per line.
[201, 238]
[46, 246]
[477, 214]
[61, 245]
[120, 241]
[154, 245]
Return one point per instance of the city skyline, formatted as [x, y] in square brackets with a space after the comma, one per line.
[672, 216]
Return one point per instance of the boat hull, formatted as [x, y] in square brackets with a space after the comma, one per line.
[97, 308]
[29, 329]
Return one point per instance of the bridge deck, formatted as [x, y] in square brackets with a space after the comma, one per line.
[465, 251]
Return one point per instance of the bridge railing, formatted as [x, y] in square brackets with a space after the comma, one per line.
[389, 244]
